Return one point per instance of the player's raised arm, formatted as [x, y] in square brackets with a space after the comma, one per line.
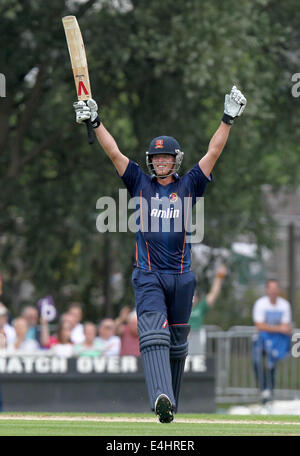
[88, 111]
[234, 105]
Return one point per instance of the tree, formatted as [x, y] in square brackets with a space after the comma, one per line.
[156, 68]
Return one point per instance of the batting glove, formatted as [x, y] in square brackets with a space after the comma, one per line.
[87, 110]
[234, 105]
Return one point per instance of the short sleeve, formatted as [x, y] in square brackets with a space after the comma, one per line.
[286, 316]
[258, 313]
[133, 178]
[196, 181]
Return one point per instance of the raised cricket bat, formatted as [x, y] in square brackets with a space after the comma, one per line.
[79, 64]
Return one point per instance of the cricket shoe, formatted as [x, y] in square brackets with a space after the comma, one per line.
[164, 409]
[266, 396]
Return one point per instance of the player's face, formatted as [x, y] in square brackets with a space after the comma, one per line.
[163, 164]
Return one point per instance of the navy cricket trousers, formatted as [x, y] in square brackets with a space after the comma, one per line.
[170, 294]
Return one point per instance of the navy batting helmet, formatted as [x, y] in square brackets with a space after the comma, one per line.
[164, 145]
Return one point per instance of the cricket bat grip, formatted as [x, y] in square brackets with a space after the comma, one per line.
[90, 131]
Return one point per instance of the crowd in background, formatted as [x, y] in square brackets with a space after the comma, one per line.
[71, 336]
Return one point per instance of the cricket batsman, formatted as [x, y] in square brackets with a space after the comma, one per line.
[162, 278]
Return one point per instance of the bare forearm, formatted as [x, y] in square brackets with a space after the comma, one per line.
[3, 342]
[119, 329]
[219, 139]
[45, 336]
[215, 291]
[215, 147]
[111, 149]
[283, 328]
[107, 142]
[18, 342]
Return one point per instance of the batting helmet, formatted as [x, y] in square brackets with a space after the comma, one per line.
[164, 145]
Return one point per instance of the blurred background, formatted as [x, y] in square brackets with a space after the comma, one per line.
[155, 68]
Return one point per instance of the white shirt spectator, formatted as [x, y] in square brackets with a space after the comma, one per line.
[272, 314]
[111, 346]
[63, 350]
[77, 335]
[28, 346]
[10, 333]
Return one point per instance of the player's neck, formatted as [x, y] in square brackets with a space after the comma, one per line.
[166, 181]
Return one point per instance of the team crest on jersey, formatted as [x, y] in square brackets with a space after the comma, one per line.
[173, 197]
[159, 144]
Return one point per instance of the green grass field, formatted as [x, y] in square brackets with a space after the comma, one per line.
[34, 424]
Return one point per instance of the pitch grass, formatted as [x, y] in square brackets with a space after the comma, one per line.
[250, 425]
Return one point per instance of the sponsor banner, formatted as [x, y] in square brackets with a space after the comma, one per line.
[83, 365]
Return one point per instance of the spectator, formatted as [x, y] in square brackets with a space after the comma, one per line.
[3, 335]
[69, 318]
[31, 315]
[91, 345]
[46, 339]
[110, 343]
[61, 343]
[272, 317]
[127, 330]
[22, 343]
[200, 307]
[197, 337]
[75, 309]
[6, 330]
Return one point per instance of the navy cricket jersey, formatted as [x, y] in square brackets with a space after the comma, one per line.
[161, 239]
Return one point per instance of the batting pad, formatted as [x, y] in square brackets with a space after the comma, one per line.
[154, 337]
[178, 353]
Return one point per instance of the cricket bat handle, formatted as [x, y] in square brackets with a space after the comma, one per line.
[90, 131]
